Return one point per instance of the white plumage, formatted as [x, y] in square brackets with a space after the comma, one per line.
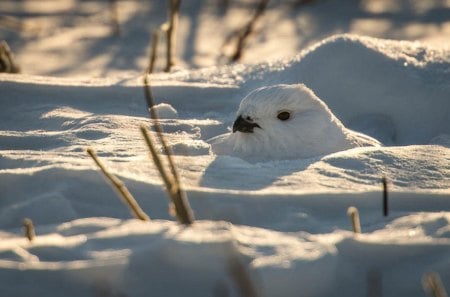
[286, 122]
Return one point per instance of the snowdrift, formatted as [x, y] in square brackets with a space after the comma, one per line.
[285, 220]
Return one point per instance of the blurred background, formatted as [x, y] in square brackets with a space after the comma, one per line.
[103, 38]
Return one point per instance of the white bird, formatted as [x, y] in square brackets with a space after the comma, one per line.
[286, 122]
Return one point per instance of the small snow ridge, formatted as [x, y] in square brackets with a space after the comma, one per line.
[165, 111]
[91, 134]
[191, 148]
[66, 113]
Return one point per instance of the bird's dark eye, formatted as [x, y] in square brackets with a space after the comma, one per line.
[284, 115]
[248, 118]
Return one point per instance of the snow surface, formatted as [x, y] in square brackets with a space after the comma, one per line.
[285, 220]
[73, 37]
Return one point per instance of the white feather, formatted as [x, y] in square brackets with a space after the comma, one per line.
[312, 129]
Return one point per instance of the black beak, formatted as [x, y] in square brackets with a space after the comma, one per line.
[243, 125]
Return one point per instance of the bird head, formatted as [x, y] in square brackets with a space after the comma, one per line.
[281, 122]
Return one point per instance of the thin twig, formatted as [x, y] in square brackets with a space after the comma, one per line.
[385, 196]
[154, 116]
[167, 179]
[173, 183]
[153, 52]
[174, 12]
[352, 212]
[114, 15]
[7, 63]
[121, 189]
[432, 285]
[29, 229]
[243, 33]
[175, 192]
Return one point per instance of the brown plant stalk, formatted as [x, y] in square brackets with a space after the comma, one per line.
[174, 12]
[29, 229]
[172, 180]
[121, 189]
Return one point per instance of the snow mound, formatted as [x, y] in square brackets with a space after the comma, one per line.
[127, 257]
[285, 219]
[99, 255]
[404, 83]
[165, 111]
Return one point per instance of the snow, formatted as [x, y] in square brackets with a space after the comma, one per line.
[284, 221]
[165, 111]
[55, 36]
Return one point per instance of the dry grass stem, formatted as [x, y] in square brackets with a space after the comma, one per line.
[243, 34]
[433, 286]
[114, 15]
[154, 116]
[7, 63]
[29, 229]
[168, 181]
[153, 52]
[176, 193]
[352, 212]
[121, 189]
[174, 12]
[172, 180]
[385, 196]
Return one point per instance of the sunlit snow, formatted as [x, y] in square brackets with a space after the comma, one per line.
[284, 219]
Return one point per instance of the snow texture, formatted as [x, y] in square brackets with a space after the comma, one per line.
[285, 220]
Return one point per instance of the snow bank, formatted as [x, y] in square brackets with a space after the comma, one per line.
[403, 84]
[99, 256]
[289, 217]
